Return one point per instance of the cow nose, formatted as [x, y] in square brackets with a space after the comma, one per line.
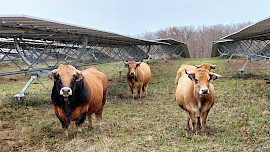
[204, 91]
[65, 91]
[132, 74]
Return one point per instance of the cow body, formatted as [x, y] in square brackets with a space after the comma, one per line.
[77, 94]
[138, 76]
[196, 95]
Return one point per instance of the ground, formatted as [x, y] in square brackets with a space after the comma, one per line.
[239, 119]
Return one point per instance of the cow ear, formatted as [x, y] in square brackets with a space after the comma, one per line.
[191, 75]
[126, 63]
[213, 66]
[138, 63]
[52, 75]
[79, 76]
[214, 76]
[198, 66]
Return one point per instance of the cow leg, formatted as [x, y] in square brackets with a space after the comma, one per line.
[188, 119]
[131, 89]
[79, 123]
[204, 118]
[64, 127]
[199, 122]
[145, 89]
[139, 91]
[99, 117]
[90, 127]
[193, 122]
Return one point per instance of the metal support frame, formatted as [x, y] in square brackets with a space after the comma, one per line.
[254, 50]
[81, 52]
[20, 96]
[42, 56]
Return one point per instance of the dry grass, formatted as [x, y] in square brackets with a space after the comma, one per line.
[239, 120]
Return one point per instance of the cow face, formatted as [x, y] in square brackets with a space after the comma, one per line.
[132, 66]
[65, 78]
[202, 78]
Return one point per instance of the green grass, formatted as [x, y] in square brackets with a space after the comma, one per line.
[239, 120]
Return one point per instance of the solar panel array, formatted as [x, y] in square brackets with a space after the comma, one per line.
[36, 45]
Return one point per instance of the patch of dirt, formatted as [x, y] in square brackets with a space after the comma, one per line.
[6, 141]
[237, 64]
[6, 79]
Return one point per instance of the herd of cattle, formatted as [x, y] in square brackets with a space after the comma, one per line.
[79, 94]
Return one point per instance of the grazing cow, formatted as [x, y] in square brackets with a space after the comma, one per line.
[77, 94]
[181, 70]
[138, 76]
[195, 94]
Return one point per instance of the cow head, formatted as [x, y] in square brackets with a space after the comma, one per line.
[132, 66]
[206, 66]
[202, 78]
[65, 78]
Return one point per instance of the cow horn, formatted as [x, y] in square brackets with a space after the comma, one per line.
[213, 66]
[138, 62]
[197, 66]
[54, 71]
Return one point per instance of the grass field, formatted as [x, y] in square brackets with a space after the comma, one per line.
[239, 120]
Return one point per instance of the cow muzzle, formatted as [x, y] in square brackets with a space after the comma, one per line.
[204, 91]
[132, 74]
[65, 92]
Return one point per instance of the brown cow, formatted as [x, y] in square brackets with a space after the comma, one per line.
[195, 94]
[77, 94]
[138, 76]
[181, 70]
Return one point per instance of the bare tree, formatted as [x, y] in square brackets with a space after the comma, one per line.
[199, 40]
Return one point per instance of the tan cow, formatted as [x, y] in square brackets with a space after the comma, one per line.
[138, 76]
[196, 95]
[181, 70]
[77, 94]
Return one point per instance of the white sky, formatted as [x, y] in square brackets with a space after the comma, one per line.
[134, 17]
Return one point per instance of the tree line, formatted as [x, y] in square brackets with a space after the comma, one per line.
[198, 39]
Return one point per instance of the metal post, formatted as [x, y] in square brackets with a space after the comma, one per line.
[19, 96]
[85, 41]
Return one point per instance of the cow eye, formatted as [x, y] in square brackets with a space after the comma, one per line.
[75, 77]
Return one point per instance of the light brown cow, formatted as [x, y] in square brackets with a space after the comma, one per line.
[77, 94]
[196, 95]
[138, 76]
[181, 70]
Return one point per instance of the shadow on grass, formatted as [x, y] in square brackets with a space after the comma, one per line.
[247, 76]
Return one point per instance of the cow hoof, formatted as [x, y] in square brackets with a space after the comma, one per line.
[65, 138]
[98, 130]
[90, 128]
[79, 135]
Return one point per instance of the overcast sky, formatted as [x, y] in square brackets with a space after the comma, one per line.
[134, 17]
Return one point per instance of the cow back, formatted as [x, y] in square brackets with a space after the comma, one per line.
[145, 72]
[181, 71]
[98, 84]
